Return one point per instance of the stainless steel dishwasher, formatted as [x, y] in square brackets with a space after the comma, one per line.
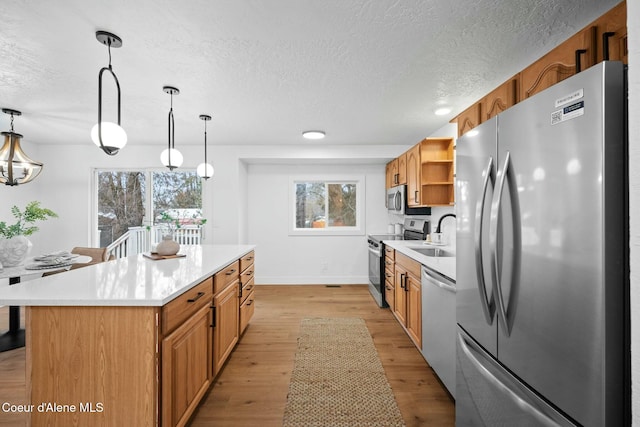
[439, 326]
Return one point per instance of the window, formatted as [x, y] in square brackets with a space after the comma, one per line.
[136, 198]
[327, 206]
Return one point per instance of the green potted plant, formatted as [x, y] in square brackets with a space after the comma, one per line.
[14, 244]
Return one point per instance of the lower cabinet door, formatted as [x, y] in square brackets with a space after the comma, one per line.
[246, 311]
[186, 367]
[414, 310]
[227, 325]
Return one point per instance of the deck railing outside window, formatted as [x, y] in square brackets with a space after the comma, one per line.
[141, 239]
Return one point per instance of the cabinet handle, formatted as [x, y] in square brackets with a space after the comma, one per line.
[250, 302]
[416, 196]
[249, 288]
[406, 288]
[579, 52]
[402, 284]
[605, 44]
[213, 315]
[197, 297]
[249, 259]
[230, 272]
[240, 287]
[249, 273]
[388, 275]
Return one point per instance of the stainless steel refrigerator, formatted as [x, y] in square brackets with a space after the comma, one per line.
[542, 276]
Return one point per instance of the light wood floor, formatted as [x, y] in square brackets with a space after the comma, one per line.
[252, 387]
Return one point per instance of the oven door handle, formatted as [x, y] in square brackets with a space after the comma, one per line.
[376, 253]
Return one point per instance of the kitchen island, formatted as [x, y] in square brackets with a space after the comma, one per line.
[131, 341]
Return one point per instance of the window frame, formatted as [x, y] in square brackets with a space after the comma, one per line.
[357, 230]
[148, 197]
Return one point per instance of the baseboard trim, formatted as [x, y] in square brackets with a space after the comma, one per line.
[315, 280]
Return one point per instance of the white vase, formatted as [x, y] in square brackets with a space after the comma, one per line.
[167, 246]
[13, 251]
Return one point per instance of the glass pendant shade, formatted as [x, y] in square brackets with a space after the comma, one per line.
[204, 170]
[15, 166]
[171, 158]
[113, 136]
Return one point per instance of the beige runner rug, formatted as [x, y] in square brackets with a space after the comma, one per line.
[338, 379]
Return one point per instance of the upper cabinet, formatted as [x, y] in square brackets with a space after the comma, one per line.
[574, 55]
[430, 173]
[611, 34]
[603, 39]
[503, 97]
[468, 119]
[396, 172]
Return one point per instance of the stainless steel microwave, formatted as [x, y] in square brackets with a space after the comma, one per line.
[395, 199]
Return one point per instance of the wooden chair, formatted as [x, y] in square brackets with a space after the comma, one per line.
[97, 255]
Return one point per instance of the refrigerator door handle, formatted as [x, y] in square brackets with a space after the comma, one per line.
[538, 412]
[488, 305]
[506, 313]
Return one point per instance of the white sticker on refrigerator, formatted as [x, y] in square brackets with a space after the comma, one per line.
[569, 98]
[567, 113]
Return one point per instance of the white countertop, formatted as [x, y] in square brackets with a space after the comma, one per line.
[130, 281]
[443, 265]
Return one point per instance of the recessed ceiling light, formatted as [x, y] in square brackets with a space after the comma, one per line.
[442, 111]
[313, 134]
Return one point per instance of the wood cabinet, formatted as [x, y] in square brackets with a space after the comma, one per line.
[603, 39]
[436, 172]
[226, 323]
[611, 35]
[396, 171]
[186, 367]
[402, 169]
[389, 277]
[575, 54]
[408, 297]
[392, 173]
[413, 176]
[247, 298]
[186, 352]
[503, 97]
[468, 119]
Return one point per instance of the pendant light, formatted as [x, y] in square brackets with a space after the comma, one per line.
[15, 166]
[205, 170]
[109, 136]
[171, 157]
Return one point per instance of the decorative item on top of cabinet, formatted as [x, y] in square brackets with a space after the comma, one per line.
[572, 56]
[436, 172]
[468, 119]
[611, 35]
[503, 97]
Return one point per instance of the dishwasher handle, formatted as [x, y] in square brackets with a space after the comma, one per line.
[440, 282]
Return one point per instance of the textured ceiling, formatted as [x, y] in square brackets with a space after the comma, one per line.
[364, 71]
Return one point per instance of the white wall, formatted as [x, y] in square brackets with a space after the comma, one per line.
[633, 26]
[285, 259]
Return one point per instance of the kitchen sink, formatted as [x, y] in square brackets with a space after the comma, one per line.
[434, 252]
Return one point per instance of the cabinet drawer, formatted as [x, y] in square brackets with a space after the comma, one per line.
[226, 276]
[246, 311]
[246, 275]
[412, 266]
[247, 288]
[389, 294]
[389, 273]
[247, 261]
[389, 253]
[184, 306]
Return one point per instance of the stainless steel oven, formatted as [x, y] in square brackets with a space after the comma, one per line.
[414, 229]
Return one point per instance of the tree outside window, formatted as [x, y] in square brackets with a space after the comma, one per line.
[136, 198]
[326, 205]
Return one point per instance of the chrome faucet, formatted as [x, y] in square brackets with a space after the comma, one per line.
[440, 221]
